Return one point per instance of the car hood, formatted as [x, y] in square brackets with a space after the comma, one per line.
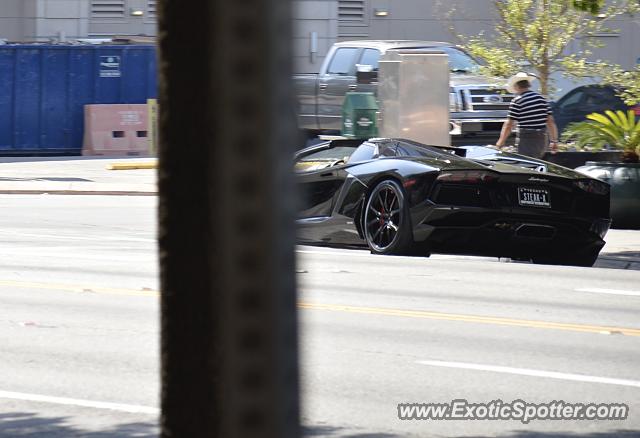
[459, 79]
[483, 158]
[509, 162]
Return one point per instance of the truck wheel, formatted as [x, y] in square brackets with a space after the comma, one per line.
[387, 225]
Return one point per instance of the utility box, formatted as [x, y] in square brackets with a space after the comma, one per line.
[359, 115]
[414, 96]
[44, 88]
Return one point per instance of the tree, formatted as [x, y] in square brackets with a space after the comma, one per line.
[627, 82]
[591, 6]
[536, 35]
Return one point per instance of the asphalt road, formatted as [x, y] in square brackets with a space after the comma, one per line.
[78, 316]
[79, 332]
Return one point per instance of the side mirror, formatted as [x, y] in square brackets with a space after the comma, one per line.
[365, 74]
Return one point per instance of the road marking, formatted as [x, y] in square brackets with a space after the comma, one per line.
[79, 288]
[595, 290]
[532, 373]
[473, 319]
[82, 238]
[133, 409]
[422, 314]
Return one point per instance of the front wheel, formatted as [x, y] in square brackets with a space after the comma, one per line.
[386, 221]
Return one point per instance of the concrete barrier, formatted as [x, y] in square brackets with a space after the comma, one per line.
[112, 130]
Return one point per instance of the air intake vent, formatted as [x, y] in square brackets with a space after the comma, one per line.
[107, 8]
[351, 11]
[151, 8]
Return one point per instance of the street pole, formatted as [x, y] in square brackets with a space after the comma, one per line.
[226, 243]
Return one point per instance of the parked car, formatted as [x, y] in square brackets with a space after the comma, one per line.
[478, 104]
[397, 196]
[577, 104]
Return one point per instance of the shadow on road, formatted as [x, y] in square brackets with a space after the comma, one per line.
[27, 424]
[619, 260]
[527, 434]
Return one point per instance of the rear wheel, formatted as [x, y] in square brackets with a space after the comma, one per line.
[386, 222]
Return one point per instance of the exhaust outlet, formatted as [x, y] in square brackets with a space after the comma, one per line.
[535, 231]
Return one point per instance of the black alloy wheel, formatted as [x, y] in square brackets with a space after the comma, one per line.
[386, 222]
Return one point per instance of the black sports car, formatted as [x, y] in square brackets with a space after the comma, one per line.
[402, 197]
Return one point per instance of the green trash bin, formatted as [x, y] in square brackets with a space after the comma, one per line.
[359, 118]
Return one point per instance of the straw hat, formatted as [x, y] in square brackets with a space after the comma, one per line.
[521, 76]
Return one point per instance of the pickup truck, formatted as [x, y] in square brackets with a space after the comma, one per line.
[478, 105]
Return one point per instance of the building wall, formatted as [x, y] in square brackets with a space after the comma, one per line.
[315, 29]
[435, 20]
[11, 22]
[317, 24]
[53, 20]
[126, 23]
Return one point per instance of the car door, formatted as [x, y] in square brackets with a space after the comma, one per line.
[333, 84]
[318, 191]
[570, 108]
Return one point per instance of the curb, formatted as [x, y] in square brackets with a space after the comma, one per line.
[131, 166]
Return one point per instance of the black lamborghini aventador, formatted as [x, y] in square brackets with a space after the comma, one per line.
[401, 197]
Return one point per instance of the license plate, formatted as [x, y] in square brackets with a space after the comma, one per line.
[531, 197]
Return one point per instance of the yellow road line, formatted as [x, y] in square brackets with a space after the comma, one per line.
[79, 288]
[421, 314]
[472, 319]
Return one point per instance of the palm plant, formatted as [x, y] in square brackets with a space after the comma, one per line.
[615, 129]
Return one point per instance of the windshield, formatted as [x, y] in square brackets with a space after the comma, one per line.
[459, 61]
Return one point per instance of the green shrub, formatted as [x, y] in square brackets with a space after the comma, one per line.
[618, 130]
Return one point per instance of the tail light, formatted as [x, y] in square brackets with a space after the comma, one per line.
[468, 177]
[636, 110]
[592, 186]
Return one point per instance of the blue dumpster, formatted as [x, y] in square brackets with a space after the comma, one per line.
[43, 90]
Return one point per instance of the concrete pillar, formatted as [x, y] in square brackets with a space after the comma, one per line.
[226, 234]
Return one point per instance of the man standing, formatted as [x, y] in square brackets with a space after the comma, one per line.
[531, 111]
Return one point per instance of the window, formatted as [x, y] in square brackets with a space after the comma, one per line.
[107, 8]
[365, 152]
[351, 11]
[370, 57]
[343, 61]
[323, 158]
[571, 100]
[389, 149]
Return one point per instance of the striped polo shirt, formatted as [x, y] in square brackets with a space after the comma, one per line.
[530, 110]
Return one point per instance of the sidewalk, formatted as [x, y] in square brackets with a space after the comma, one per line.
[90, 176]
[75, 175]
